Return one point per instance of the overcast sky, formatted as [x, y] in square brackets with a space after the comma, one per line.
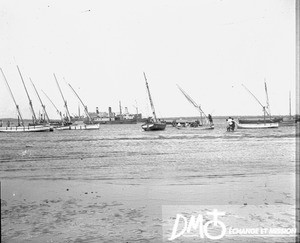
[102, 48]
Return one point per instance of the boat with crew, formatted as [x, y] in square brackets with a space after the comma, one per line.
[204, 122]
[153, 124]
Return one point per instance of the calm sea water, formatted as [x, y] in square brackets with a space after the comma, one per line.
[126, 154]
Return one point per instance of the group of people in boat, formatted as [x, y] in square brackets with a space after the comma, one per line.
[196, 123]
[231, 123]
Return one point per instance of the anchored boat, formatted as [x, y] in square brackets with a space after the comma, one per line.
[35, 127]
[153, 124]
[79, 127]
[67, 124]
[38, 128]
[258, 124]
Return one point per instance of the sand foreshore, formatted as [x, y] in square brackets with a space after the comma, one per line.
[99, 211]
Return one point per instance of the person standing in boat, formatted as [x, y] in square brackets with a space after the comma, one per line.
[209, 117]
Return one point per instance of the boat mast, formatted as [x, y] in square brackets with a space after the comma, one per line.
[267, 96]
[84, 106]
[264, 107]
[78, 110]
[59, 113]
[198, 107]
[290, 105]
[65, 102]
[151, 102]
[30, 102]
[43, 106]
[136, 108]
[11, 94]
[120, 107]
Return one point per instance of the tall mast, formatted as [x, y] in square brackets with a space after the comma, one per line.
[136, 108]
[65, 102]
[264, 107]
[84, 106]
[30, 102]
[267, 97]
[120, 108]
[57, 110]
[290, 105]
[151, 102]
[12, 96]
[43, 106]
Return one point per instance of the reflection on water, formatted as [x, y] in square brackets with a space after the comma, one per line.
[125, 153]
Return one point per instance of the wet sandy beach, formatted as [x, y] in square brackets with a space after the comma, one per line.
[73, 211]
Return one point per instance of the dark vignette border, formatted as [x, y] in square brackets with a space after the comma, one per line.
[297, 5]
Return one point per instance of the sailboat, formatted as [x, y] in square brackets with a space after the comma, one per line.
[205, 121]
[290, 121]
[46, 117]
[21, 127]
[258, 123]
[67, 123]
[153, 124]
[90, 124]
[62, 120]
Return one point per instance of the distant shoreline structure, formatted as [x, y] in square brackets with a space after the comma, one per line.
[297, 117]
[234, 116]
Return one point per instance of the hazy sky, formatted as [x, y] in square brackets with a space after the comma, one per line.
[102, 48]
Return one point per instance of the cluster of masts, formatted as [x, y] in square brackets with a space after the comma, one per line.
[47, 119]
[155, 122]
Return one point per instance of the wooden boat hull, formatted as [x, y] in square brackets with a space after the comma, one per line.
[257, 126]
[256, 121]
[27, 129]
[79, 127]
[154, 126]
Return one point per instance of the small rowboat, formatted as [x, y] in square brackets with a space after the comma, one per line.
[154, 126]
